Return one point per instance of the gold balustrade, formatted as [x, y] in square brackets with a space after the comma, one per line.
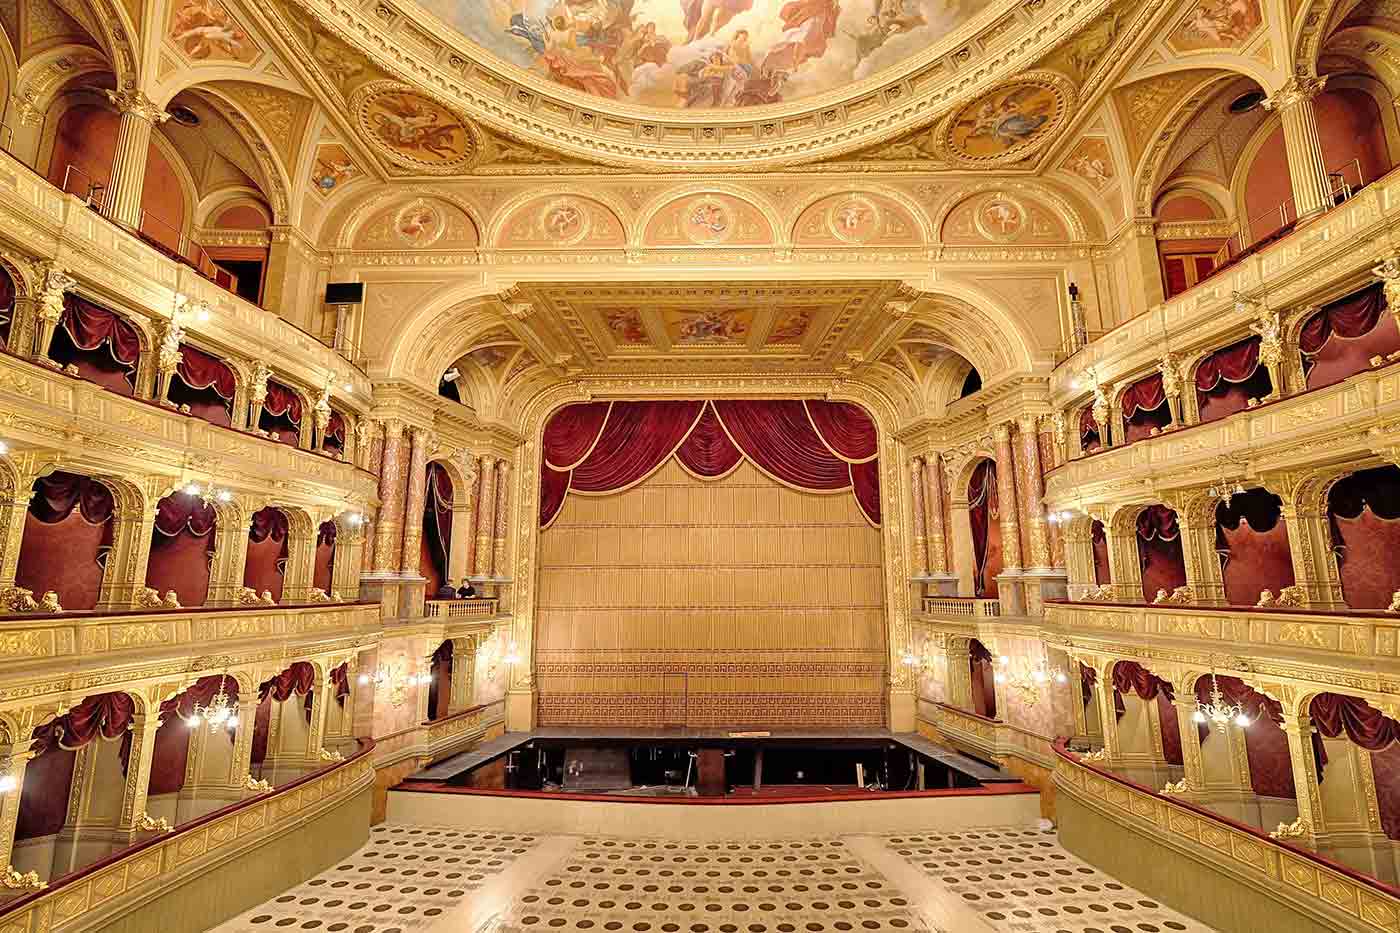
[962, 607]
[461, 608]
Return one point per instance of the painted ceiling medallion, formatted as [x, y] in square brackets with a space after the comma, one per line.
[707, 221]
[1000, 217]
[705, 54]
[1010, 122]
[418, 223]
[853, 219]
[413, 131]
[565, 222]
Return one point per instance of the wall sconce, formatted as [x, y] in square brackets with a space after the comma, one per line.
[396, 680]
[1027, 680]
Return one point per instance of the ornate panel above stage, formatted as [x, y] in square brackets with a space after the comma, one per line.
[737, 601]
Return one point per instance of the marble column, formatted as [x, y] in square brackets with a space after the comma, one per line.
[18, 756]
[938, 564]
[1006, 500]
[459, 550]
[139, 115]
[388, 530]
[1049, 459]
[1307, 168]
[1032, 486]
[485, 520]
[417, 498]
[374, 460]
[499, 568]
[916, 485]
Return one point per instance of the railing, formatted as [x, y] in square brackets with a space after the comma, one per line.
[970, 607]
[78, 182]
[1298, 878]
[461, 608]
[1284, 216]
[143, 872]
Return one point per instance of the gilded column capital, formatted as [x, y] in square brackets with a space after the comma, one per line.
[136, 103]
[916, 461]
[1298, 89]
[1001, 432]
[1026, 424]
[393, 428]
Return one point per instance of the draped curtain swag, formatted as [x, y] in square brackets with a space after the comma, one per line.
[1158, 522]
[1145, 394]
[184, 513]
[282, 401]
[1089, 440]
[1235, 363]
[437, 516]
[299, 678]
[200, 693]
[1259, 507]
[1088, 679]
[983, 509]
[105, 714]
[1333, 714]
[1350, 317]
[91, 326]
[325, 535]
[56, 495]
[1131, 677]
[340, 679]
[817, 446]
[200, 370]
[268, 522]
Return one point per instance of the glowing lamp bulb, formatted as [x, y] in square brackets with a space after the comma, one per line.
[1003, 660]
[192, 489]
[1198, 716]
[224, 496]
[4, 448]
[348, 387]
[1242, 721]
[8, 783]
[195, 721]
[1061, 678]
[364, 678]
[999, 678]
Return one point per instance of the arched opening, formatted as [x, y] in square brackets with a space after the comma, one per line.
[205, 383]
[182, 548]
[1140, 699]
[1228, 378]
[1363, 513]
[67, 538]
[281, 414]
[1145, 408]
[63, 826]
[265, 569]
[1357, 738]
[192, 761]
[1089, 439]
[101, 345]
[1159, 551]
[440, 681]
[437, 534]
[323, 567]
[1088, 689]
[1251, 540]
[1098, 541]
[1266, 796]
[984, 514]
[984, 686]
[1186, 261]
[282, 725]
[1343, 336]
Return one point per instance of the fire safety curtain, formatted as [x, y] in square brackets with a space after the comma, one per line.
[603, 447]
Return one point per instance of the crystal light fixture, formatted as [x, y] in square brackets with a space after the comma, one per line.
[1029, 680]
[221, 713]
[1217, 712]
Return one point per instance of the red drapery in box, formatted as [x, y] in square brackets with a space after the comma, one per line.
[91, 327]
[440, 686]
[67, 537]
[1340, 339]
[1334, 714]
[182, 546]
[281, 413]
[437, 520]
[813, 445]
[265, 567]
[1363, 511]
[335, 432]
[1252, 544]
[324, 566]
[1228, 378]
[1144, 408]
[1266, 745]
[983, 671]
[1089, 440]
[1088, 679]
[1160, 556]
[983, 515]
[340, 677]
[1098, 542]
[299, 678]
[104, 714]
[200, 370]
[1131, 677]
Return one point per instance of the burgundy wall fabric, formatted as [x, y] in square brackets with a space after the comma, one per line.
[298, 678]
[169, 757]
[1228, 378]
[1364, 516]
[1340, 339]
[43, 801]
[182, 546]
[262, 722]
[324, 565]
[606, 447]
[428, 567]
[440, 687]
[335, 433]
[1171, 730]
[67, 536]
[1252, 543]
[96, 366]
[1385, 766]
[984, 515]
[1144, 408]
[1098, 540]
[1089, 440]
[266, 565]
[984, 684]
[1159, 551]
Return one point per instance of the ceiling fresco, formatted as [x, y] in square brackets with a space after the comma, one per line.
[705, 54]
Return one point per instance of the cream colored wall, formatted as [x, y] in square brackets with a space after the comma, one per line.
[733, 602]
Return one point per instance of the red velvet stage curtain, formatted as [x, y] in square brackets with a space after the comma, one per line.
[1228, 378]
[1159, 551]
[984, 515]
[340, 676]
[817, 446]
[984, 684]
[205, 383]
[1098, 540]
[1266, 744]
[282, 413]
[103, 345]
[266, 565]
[437, 523]
[67, 537]
[7, 307]
[324, 565]
[1144, 408]
[1089, 440]
[440, 686]
[1252, 543]
[1363, 510]
[1340, 339]
[182, 547]
[335, 433]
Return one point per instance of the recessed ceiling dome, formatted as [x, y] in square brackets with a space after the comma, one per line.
[706, 54]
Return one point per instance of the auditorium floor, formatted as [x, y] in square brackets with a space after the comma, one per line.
[416, 879]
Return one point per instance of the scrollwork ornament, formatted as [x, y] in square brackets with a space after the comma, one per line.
[57, 283]
[1299, 88]
[257, 390]
[168, 356]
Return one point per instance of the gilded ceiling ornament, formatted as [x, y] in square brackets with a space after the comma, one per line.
[706, 221]
[419, 223]
[1010, 122]
[853, 219]
[565, 222]
[413, 131]
[1000, 217]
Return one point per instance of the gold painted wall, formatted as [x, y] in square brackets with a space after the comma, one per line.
[736, 602]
